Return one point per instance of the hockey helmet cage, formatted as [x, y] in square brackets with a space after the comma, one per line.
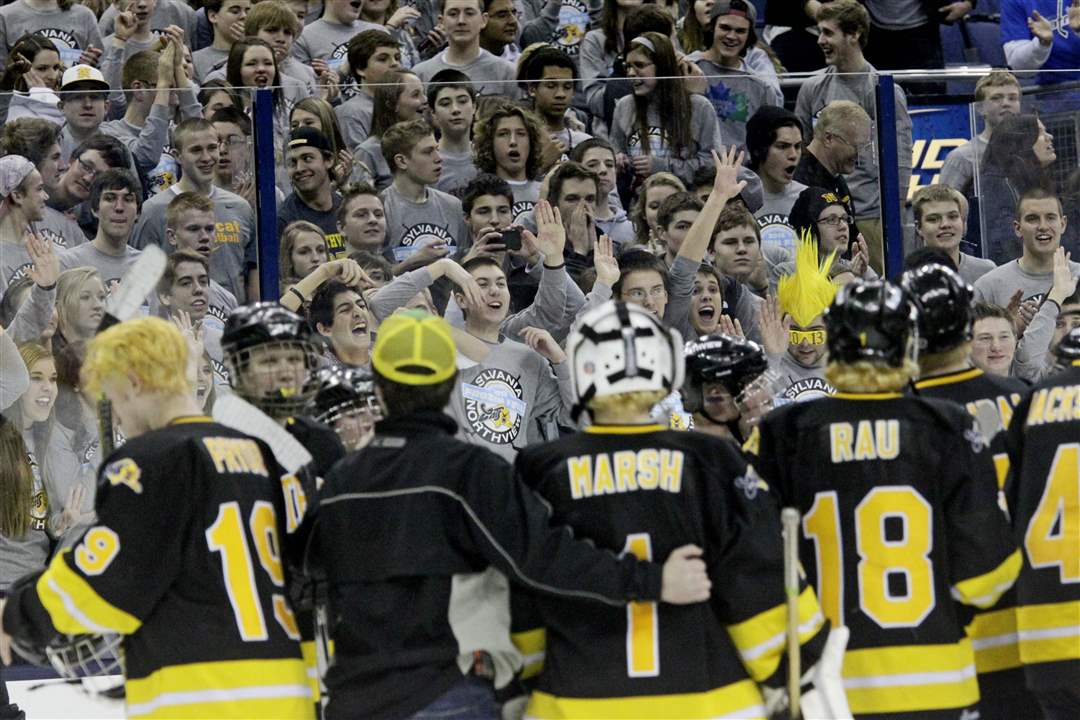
[268, 325]
[944, 302]
[343, 389]
[872, 320]
[619, 348]
[732, 361]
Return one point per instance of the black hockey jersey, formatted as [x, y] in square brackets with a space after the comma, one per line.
[186, 563]
[645, 490]
[900, 518]
[991, 400]
[1043, 491]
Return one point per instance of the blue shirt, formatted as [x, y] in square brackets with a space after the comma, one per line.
[1065, 50]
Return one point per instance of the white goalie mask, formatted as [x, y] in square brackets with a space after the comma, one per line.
[619, 348]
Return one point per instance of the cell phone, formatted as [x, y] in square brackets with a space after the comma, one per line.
[511, 238]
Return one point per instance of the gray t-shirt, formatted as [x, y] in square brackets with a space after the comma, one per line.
[972, 268]
[897, 14]
[60, 228]
[798, 382]
[998, 285]
[489, 75]
[146, 144]
[14, 262]
[110, 267]
[735, 96]
[206, 60]
[457, 170]
[329, 41]
[19, 556]
[370, 165]
[958, 171]
[703, 133]
[233, 249]
[72, 30]
[526, 195]
[410, 225]
[772, 218]
[354, 118]
[166, 13]
[508, 401]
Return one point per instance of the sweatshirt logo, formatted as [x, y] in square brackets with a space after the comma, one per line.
[66, 45]
[776, 231]
[808, 389]
[573, 22]
[420, 235]
[519, 209]
[728, 103]
[656, 143]
[494, 406]
[51, 235]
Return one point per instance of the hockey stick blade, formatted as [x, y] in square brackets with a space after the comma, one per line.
[232, 411]
[136, 285]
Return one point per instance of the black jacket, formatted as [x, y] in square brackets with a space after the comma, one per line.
[401, 525]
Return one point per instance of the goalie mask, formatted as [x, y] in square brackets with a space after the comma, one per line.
[346, 402]
[619, 348]
[270, 357]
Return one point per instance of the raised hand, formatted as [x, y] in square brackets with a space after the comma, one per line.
[685, 580]
[604, 261]
[1013, 308]
[1041, 28]
[125, 22]
[860, 257]
[550, 233]
[774, 328]
[542, 342]
[727, 183]
[90, 56]
[46, 265]
[402, 17]
[1073, 15]
[467, 285]
[1064, 281]
[487, 245]
[730, 327]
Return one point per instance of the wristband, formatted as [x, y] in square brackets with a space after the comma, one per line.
[298, 294]
[555, 267]
[47, 287]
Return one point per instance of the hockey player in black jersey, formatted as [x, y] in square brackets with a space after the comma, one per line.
[419, 533]
[944, 302]
[630, 485]
[901, 523]
[728, 385]
[185, 561]
[272, 362]
[1043, 492]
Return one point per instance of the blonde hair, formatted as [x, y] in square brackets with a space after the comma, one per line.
[867, 377]
[840, 115]
[930, 363]
[628, 403]
[41, 433]
[805, 294]
[936, 193]
[997, 78]
[289, 236]
[637, 211]
[68, 286]
[149, 348]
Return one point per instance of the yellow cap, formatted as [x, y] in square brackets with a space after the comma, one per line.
[414, 348]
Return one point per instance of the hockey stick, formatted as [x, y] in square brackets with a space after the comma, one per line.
[790, 519]
[138, 282]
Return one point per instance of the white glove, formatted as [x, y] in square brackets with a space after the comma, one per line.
[825, 700]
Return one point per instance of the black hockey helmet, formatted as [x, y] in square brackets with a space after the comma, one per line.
[944, 302]
[269, 326]
[1068, 348]
[347, 393]
[734, 362]
[872, 320]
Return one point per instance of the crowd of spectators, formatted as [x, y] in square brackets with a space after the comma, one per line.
[506, 163]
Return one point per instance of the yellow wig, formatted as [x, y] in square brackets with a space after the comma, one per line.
[805, 294]
[149, 348]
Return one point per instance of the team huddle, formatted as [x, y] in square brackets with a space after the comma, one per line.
[286, 570]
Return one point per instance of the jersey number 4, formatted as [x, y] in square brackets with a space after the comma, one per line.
[226, 536]
[893, 537]
[1052, 538]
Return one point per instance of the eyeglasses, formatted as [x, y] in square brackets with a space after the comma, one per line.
[87, 168]
[813, 337]
[639, 66]
[834, 220]
[639, 294]
[860, 148]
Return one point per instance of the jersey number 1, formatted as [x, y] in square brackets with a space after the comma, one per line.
[642, 630]
[880, 557]
[226, 536]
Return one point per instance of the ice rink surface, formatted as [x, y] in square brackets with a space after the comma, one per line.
[60, 700]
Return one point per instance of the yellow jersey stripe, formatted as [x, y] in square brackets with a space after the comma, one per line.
[75, 607]
[225, 689]
[995, 640]
[949, 379]
[983, 591]
[624, 429]
[1049, 632]
[910, 678]
[532, 645]
[760, 640]
[311, 667]
[737, 700]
